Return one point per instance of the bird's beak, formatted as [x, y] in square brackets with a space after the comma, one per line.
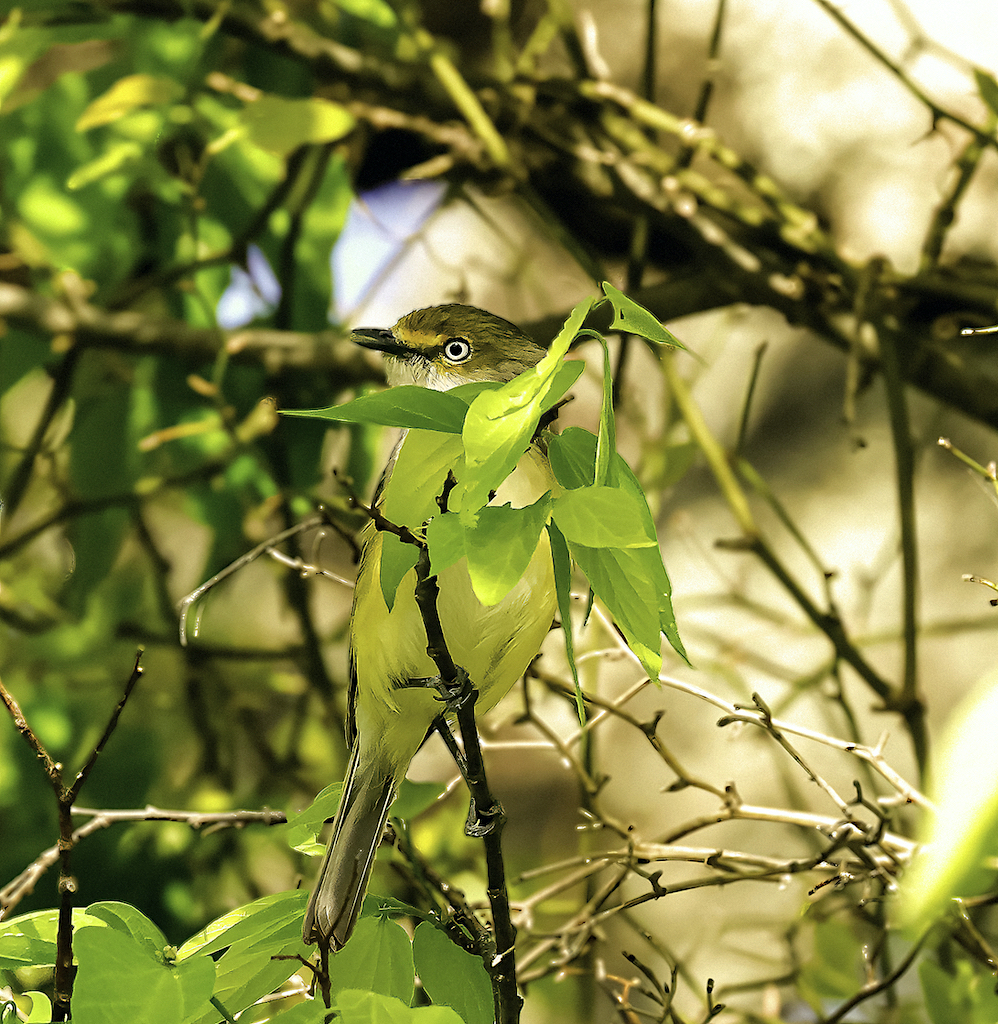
[382, 340]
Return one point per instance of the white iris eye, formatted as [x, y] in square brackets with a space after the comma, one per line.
[456, 350]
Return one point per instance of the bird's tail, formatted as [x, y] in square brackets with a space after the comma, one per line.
[357, 829]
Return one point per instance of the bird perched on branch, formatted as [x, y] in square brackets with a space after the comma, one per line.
[391, 707]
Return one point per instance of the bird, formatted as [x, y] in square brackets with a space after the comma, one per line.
[388, 718]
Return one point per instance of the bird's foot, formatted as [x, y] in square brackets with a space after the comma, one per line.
[483, 823]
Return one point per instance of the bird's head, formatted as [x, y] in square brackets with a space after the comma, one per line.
[443, 346]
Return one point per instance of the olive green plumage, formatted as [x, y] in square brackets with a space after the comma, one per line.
[439, 348]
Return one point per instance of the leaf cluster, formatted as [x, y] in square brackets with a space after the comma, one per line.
[474, 436]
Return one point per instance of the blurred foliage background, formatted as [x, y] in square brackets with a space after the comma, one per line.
[199, 198]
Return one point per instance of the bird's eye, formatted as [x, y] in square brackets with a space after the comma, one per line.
[457, 350]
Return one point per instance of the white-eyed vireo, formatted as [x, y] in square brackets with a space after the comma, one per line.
[438, 348]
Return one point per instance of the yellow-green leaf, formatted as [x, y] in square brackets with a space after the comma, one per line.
[125, 95]
[280, 125]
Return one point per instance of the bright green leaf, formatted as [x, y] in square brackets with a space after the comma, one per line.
[500, 423]
[424, 459]
[115, 158]
[252, 936]
[119, 980]
[280, 125]
[634, 319]
[258, 922]
[354, 1006]
[302, 828]
[41, 1007]
[397, 559]
[629, 581]
[964, 832]
[125, 95]
[445, 539]
[603, 517]
[196, 978]
[377, 12]
[378, 957]
[130, 921]
[452, 976]
[405, 406]
[572, 455]
[500, 545]
[562, 564]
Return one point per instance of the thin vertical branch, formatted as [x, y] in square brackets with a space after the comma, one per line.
[906, 701]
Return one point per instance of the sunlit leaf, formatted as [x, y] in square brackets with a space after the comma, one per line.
[603, 517]
[357, 1006]
[500, 545]
[115, 158]
[377, 12]
[445, 539]
[120, 979]
[405, 406]
[451, 976]
[961, 841]
[126, 95]
[279, 125]
[635, 319]
[562, 565]
[500, 423]
[378, 958]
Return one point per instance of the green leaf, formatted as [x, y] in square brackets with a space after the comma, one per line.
[196, 978]
[30, 939]
[41, 1007]
[354, 1006]
[562, 564]
[606, 438]
[116, 157]
[452, 976]
[834, 971]
[311, 1011]
[17, 951]
[418, 476]
[303, 827]
[629, 581]
[126, 95]
[378, 957]
[268, 918]
[414, 798]
[424, 459]
[500, 423]
[965, 995]
[500, 545]
[572, 455]
[130, 921]
[988, 88]
[377, 12]
[963, 835]
[119, 980]
[252, 936]
[634, 319]
[404, 406]
[280, 125]
[445, 539]
[397, 559]
[603, 517]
